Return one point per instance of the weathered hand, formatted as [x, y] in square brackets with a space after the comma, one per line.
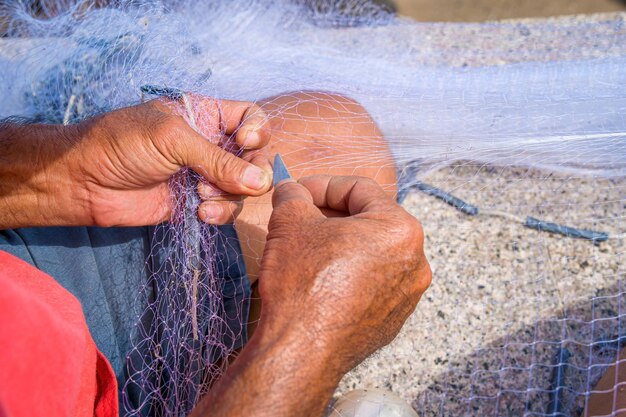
[344, 284]
[343, 268]
[125, 158]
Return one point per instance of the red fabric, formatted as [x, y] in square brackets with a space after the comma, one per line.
[49, 364]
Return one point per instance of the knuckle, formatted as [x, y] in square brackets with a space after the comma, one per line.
[165, 124]
[166, 132]
[410, 234]
[367, 183]
[174, 127]
[420, 278]
[227, 166]
[425, 278]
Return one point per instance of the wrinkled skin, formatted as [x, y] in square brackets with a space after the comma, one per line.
[343, 268]
[140, 150]
[362, 274]
[113, 170]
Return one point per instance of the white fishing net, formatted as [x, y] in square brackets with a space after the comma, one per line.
[520, 128]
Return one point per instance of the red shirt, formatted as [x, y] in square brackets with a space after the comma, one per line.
[49, 364]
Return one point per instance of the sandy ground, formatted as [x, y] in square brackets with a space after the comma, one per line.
[504, 299]
[480, 10]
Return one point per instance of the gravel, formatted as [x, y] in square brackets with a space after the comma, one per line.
[491, 323]
[485, 338]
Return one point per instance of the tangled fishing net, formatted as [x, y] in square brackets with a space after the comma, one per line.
[483, 137]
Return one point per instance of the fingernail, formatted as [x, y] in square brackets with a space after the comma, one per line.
[252, 139]
[212, 211]
[254, 177]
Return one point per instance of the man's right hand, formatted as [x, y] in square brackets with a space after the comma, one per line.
[344, 265]
[114, 169]
[342, 270]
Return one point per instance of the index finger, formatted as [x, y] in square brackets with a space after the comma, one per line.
[350, 194]
[247, 121]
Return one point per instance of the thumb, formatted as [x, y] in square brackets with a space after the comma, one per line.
[293, 205]
[227, 171]
[292, 199]
[290, 190]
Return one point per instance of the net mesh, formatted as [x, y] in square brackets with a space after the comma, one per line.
[517, 120]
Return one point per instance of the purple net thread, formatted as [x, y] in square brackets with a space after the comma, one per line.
[183, 338]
